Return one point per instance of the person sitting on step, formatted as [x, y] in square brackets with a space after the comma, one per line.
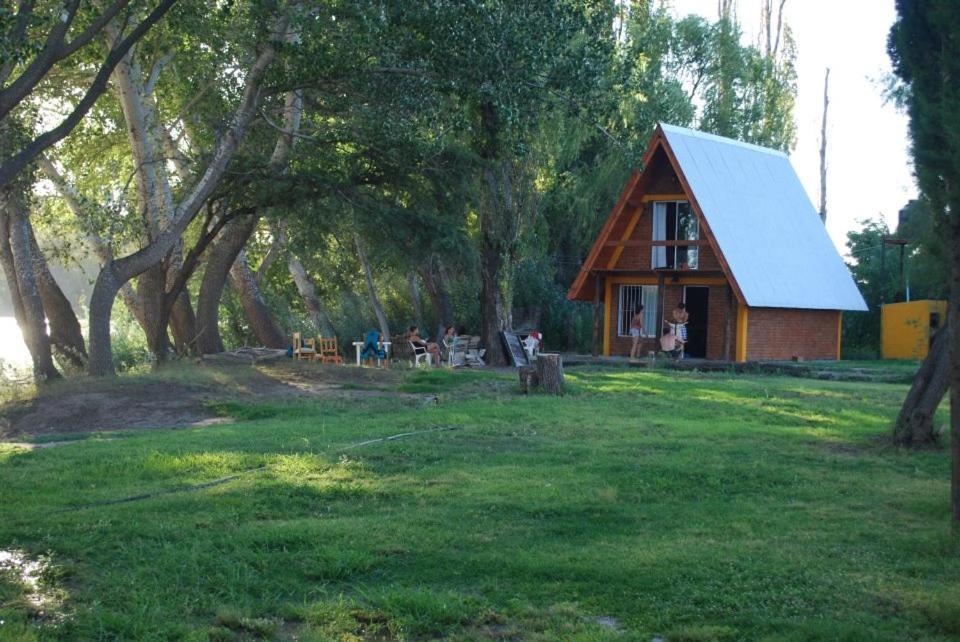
[670, 342]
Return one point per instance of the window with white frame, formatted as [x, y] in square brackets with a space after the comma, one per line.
[631, 298]
[675, 221]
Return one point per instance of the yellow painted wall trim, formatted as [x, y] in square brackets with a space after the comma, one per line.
[839, 332]
[742, 332]
[693, 279]
[615, 258]
[607, 306]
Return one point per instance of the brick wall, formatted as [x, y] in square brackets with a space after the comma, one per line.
[717, 311]
[775, 333]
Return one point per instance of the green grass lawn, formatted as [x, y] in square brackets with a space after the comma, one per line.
[642, 504]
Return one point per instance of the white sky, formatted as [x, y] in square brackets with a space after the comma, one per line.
[868, 164]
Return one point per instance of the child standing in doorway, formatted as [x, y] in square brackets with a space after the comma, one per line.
[636, 329]
[681, 317]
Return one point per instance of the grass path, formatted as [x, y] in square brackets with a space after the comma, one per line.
[643, 503]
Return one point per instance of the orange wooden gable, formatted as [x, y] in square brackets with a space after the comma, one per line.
[626, 214]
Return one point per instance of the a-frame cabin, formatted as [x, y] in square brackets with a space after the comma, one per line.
[727, 228]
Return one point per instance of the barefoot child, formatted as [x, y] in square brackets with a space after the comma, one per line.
[636, 329]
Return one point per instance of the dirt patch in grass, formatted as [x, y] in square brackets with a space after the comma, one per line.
[181, 396]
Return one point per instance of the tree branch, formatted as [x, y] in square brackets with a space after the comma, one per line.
[20, 88]
[91, 32]
[20, 160]
[16, 37]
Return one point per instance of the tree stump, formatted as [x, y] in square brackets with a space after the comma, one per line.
[528, 379]
[550, 372]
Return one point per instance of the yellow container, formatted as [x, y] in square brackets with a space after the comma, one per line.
[906, 328]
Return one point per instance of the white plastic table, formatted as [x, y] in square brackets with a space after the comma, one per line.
[358, 346]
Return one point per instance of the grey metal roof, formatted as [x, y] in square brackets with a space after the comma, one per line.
[764, 224]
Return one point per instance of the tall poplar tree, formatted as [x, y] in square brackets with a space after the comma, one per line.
[924, 46]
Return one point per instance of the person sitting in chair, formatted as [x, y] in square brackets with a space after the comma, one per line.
[413, 336]
[450, 342]
[669, 342]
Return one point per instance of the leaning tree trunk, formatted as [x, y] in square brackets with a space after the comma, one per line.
[492, 318]
[262, 321]
[183, 324]
[220, 259]
[98, 245]
[66, 336]
[24, 289]
[415, 299]
[228, 258]
[372, 290]
[953, 326]
[914, 425]
[116, 273]
[435, 283]
[308, 292]
[500, 219]
[150, 287]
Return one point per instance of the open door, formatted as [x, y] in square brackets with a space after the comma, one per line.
[697, 299]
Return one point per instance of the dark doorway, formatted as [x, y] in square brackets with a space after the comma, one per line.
[696, 298]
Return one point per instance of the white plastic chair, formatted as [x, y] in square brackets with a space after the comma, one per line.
[419, 354]
[531, 346]
[454, 355]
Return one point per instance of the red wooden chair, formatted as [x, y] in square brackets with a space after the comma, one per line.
[328, 351]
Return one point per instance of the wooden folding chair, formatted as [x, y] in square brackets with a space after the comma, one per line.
[328, 352]
[303, 348]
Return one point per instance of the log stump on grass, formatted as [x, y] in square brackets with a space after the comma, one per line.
[546, 374]
[528, 379]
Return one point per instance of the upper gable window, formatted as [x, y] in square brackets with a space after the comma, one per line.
[675, 221]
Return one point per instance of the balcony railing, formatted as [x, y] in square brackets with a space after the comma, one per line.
[666, 255]
[675, 255]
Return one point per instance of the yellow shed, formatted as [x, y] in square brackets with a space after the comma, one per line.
[906, 328]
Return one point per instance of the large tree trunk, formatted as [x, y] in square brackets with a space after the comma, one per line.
[492, 318]
[18, 267]
[500, 222]
[150, 285]
[98, 246]
[66, 335]
[371, 288]
[183, 324]
[415, 298]
[823, 148]
[227, 256]
[953, 326]
[116, 273]
[435, 283]
[914, 425]
[262, 321]
[220, 259]
[308, 292]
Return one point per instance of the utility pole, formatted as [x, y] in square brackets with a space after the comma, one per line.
[823, 149]
[884, 242]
